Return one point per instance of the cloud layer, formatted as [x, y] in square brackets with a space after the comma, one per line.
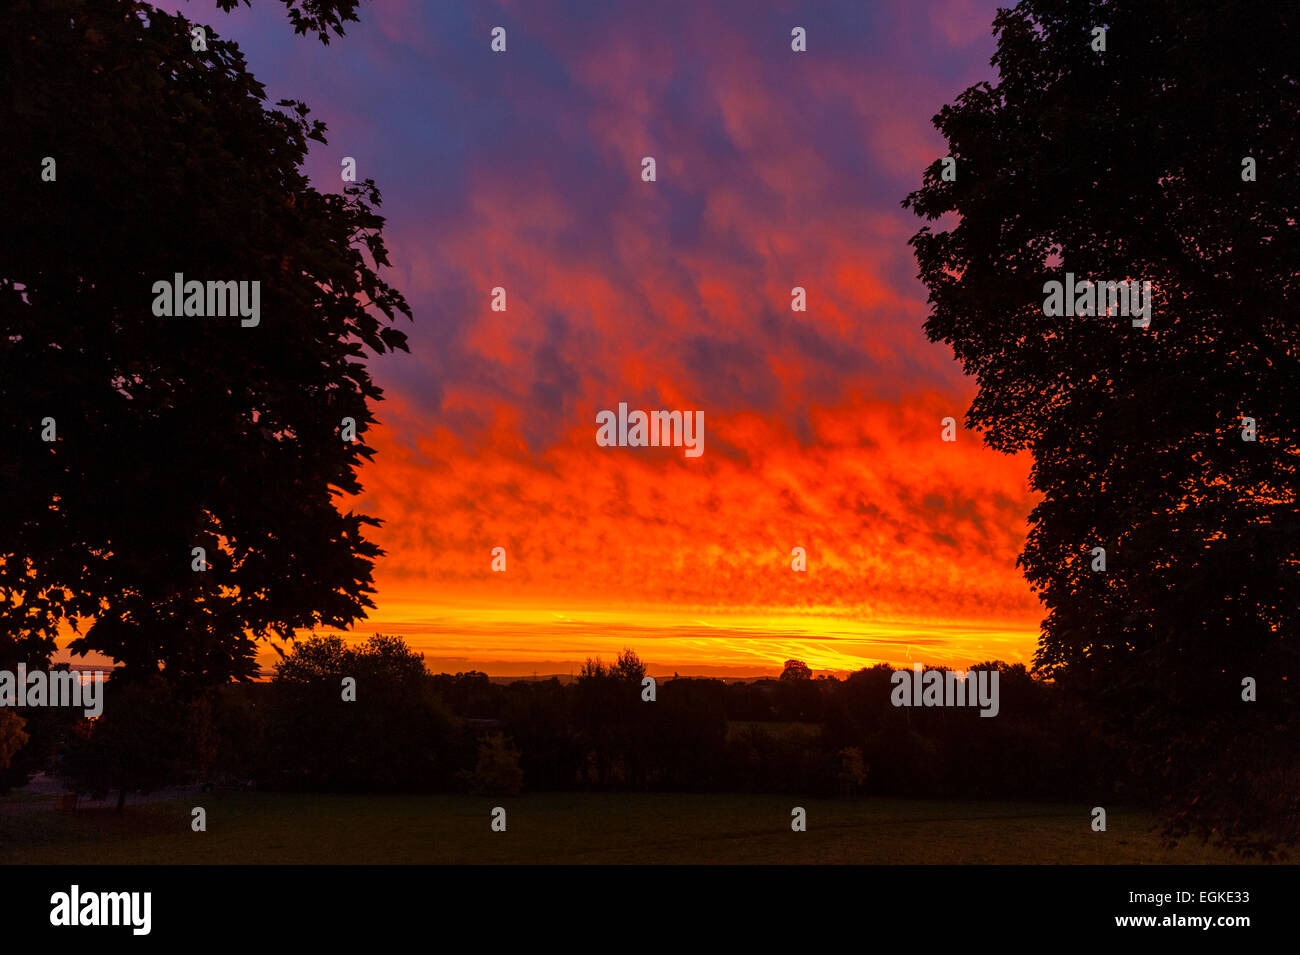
[775, 169]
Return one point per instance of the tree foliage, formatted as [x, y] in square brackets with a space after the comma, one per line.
[796, 670]
[12, 736]
[496, 771]
[176, 433]
[393, 735]
[311, 16]
[1119, 165]
[149, 736]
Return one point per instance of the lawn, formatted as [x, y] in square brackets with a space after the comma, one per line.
[270, 828]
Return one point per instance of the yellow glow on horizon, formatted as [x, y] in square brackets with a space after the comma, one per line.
[518, 640]
[691, 640]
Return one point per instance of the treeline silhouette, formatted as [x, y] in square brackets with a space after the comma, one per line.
[408, 730]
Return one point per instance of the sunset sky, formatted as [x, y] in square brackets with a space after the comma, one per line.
[822, 429]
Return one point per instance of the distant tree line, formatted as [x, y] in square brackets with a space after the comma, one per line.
[370, 718]
[398, 728]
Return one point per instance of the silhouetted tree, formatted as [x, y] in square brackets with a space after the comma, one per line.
[536, 715]
[1128, 164]
[131, 439]
[796, 670]
[853, 770]
[12, 736]
[497, 772]
[394, 735]
[596, 710]
[149, 736]
[311, 16]
[682, 737]
[629, 668]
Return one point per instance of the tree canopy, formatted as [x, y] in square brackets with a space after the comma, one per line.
[1167, 157]
[133, 439]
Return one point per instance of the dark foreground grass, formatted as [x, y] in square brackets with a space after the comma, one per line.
[271, 828]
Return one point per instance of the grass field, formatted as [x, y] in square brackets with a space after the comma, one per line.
[270, 828]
